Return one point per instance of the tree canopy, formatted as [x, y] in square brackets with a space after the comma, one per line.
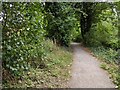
[27, 26]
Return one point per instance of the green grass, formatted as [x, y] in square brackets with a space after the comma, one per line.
[55, 74]
[110, 62]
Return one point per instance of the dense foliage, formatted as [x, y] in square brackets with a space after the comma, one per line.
[61, 22]
[28, 26]
[105, 27]
[25, 47]
[22, 35]
[55, 74]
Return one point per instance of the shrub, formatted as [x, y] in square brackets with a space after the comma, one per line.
[23, 35]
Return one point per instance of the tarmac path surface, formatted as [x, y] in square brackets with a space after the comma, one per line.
[86, 71]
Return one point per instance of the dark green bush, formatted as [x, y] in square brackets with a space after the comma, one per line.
[23, 35]
[60, 22]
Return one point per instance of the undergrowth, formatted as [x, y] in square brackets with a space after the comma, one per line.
[110, 62]
[54, 74]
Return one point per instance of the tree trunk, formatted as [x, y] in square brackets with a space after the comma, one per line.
[86, 19]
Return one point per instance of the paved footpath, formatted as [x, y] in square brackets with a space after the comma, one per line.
[86, 71]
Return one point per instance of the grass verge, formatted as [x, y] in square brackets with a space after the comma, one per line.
[55, 74]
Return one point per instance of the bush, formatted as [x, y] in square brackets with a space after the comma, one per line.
[23, 35]
[60, 18]
[55, 74]
[104, 31]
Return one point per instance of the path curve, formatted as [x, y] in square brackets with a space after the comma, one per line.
[86, 71]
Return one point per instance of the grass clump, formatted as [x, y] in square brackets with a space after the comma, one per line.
[54, 73]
